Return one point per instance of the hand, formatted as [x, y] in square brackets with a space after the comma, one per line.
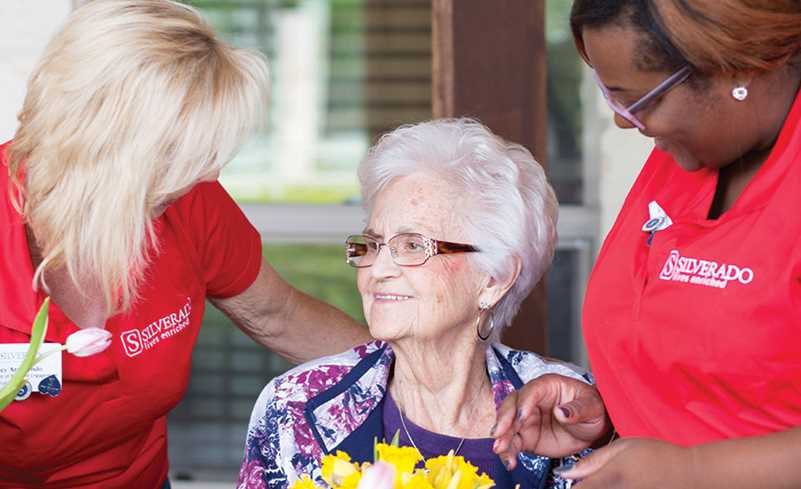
[552, 415]
[636, 464]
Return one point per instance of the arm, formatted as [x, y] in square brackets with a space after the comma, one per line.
[289, 322]
[772, 460]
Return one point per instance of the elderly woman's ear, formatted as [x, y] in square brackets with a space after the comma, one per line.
[497, 287]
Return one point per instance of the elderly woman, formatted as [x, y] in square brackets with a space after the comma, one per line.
[461, 226]
[109, 204]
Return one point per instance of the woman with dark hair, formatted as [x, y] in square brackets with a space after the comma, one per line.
[693, 309]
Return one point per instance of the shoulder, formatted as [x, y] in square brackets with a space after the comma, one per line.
[205, 197]
[292, 390]
[528, 365]
[205, 207]
[211, 228]
[312, 378]
[280, 440]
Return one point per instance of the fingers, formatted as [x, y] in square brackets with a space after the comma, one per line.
[588, 408]
[584, 417]
[524, 436]
[539, 392]
[593, 463]
[506, 445]
[509, 451]
[505, 448]
[505, 417]
[509, 458]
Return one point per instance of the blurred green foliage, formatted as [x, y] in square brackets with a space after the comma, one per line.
[320, 271]
[564, 81]
[303, 194]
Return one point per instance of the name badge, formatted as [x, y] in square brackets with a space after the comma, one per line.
[657, 221]
[44, 377]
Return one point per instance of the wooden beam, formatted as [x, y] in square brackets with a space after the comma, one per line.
[489, 63]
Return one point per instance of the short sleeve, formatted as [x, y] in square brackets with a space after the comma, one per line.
[228, 246]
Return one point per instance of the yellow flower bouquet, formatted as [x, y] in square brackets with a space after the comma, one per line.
[396, 468]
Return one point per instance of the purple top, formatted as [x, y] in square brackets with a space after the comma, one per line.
[477, 451]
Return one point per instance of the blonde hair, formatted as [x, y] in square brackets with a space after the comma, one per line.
[133, 102]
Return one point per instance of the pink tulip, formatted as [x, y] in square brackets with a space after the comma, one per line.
[87, 342]
[381, 475]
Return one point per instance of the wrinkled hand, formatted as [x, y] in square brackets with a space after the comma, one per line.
[636, 463]
[552, 415]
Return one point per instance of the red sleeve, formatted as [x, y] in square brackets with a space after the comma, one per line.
[229, 247]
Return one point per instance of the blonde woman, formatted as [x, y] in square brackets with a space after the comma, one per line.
[110, 206]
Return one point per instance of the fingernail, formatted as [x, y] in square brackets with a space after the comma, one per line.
[492, 431]
[562, 469]
[495, 446]
[519, 414]
[508, 464]
[565, 412]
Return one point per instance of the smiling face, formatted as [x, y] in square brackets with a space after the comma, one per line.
[700, 124]
[436, 300]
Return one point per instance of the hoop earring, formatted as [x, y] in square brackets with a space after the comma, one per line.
[478, 329]
[483, 307]
[739, 93]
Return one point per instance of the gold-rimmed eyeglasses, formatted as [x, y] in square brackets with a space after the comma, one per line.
[406, 249]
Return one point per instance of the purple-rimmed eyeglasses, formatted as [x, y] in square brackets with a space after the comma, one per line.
[406, 249]
[628, 112]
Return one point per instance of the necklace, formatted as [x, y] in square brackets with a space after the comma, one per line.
[409, 435]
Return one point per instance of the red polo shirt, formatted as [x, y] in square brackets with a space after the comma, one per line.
[107, 428]
[697, 336]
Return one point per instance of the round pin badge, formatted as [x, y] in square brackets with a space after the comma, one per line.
[653, 224]
[24, 391]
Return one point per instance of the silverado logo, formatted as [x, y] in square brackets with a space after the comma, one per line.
[135, 341]
[703, 272]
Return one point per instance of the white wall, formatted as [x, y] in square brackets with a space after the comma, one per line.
[25, 28]
[622, 155]
[613, 158]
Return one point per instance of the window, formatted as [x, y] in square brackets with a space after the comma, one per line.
[343, 72]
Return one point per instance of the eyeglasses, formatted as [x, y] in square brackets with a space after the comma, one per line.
[628, 112]
[406, 249]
